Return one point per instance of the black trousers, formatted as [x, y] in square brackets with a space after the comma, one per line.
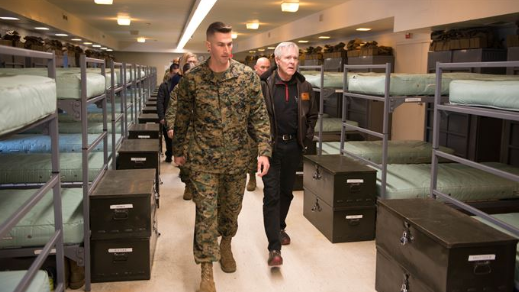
[169, 142]
[277, 191]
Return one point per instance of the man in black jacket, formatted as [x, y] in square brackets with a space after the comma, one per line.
[292, 110]
[162, 105]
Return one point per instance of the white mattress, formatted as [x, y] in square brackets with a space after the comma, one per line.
[36, 228]
[10, 279]
[32, 143]
[25, 99]
[493, 94]
[401, 84]
[68, 81]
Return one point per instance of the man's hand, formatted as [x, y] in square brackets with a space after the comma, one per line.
[179, 160]
[162, 122]
[170, 134]
[263, 165]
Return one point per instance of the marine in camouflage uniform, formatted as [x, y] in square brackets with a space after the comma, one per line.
[220, 110]
[171, 113]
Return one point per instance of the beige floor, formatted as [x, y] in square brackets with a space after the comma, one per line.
[311, 262]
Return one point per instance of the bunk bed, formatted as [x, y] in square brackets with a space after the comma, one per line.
[83, 170]
[40, 94]
[394, 90]
[497, 104]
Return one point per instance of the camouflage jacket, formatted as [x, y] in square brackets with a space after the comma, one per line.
[222, 113]
[171, 111]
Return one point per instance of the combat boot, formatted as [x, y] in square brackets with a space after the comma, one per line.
[77, 276]
[188, 194]
[207, 283]
[251, 186]
[227, 261]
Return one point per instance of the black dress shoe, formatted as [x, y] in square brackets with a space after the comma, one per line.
[275, 259]
[284, 238]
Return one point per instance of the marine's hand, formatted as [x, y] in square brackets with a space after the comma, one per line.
[180, 160]
[170, 134]
[263, 165]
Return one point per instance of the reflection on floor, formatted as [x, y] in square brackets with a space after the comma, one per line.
[311, 262]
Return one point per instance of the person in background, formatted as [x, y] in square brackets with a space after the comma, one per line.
[162, 104]
[170, 122]
[292, 112]
[167, 74]
[262, 65]
[220, 104]
[186, 58]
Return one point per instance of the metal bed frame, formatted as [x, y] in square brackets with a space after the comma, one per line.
[487, 112]
[56, 241]
[114, 89]
[390, 104]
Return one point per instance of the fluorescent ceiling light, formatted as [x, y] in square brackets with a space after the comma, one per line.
[96, 46]
[41, 28]
[87, 43]
[363, 29]
[123, 20]
[8, 18]
[323, 37]
[109, 50]
[234, 35]
[261, 50]
[141, 40]
[104, 2]
[103, 48]
[302, 41]
[271, 48]
[61, 34]
[252, 25]
[76, 40]
[289, 6]
[204, 6]
[252, 52]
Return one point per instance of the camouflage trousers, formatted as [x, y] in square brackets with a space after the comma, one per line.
[218, 199]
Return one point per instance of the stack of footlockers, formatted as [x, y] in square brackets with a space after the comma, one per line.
[423, 245]
[340, 197]
[123, 225]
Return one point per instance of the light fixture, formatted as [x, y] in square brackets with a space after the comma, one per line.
[289, 6]
[8, 18]
[271, 48]
[41, 28]
[104, 48]
[61, 34]
[87, 43]
[324, 37]
[104, 2]
[123, 20]
[252, 25]
[261, 50]
[252, 52]
[76, 40]
[96, 46]
[234, 36]
[109, 50]
[204, 6]
[363, 29]
[141, 40]
[302, 41]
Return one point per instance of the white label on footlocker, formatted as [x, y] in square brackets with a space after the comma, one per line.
[354, 181]
[122, 206]
[138, 159]
[482, 257]
[120, 250]
[350, 217]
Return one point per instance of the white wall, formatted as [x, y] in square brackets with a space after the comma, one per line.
[159, 60]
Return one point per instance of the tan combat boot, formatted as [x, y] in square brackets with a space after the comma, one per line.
[227, 261]
[188, 193]
[251, 186]
[207, 284]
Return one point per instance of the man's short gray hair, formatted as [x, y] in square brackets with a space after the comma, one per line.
[278, 52]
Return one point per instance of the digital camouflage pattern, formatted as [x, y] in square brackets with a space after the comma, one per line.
[171, 111]
[217, 211]
[220, 110]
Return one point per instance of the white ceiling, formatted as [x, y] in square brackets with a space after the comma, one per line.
[162, 21]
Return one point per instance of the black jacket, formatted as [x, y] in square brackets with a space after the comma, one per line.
[306, 103]
[163, 95]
